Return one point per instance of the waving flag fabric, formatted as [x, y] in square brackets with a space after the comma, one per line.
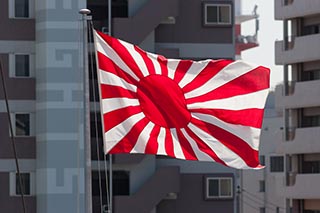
[207, 110]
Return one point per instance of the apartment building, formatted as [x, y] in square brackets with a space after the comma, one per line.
[299, 54]
[259, 190]
[40, 52]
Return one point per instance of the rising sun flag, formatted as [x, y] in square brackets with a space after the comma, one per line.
[208, 110]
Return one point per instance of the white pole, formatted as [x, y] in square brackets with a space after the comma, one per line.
[86, 101]
[110, 156]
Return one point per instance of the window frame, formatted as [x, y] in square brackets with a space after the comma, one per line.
[31, 11]
[218, 23]
[12, 65]
[209, 197]
[12, 183]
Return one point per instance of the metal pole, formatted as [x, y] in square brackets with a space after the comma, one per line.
[12, 140]
[86, 104]
[110, 156]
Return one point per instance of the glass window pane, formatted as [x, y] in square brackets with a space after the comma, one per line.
[21, 8]
[212, 14]
[22, 66]
[25, 178]
[224, 14]
[277, 164]
[22, 124]
[213, 188]
[225, 187]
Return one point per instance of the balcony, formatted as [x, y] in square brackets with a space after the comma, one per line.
[136, 28]
[299, 49]
[165, 182]
[305, 186]
[286, 9]
[296, 95]
[301, 140]
[244, 42]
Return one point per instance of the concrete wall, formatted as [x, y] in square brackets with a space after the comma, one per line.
[191, 197]
[59, 108]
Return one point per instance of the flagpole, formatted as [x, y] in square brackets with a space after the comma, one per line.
[110, 155]
[87, 140]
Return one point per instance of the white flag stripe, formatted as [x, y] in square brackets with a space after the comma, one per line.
[172, 66]
[202, 156]
[248, 134]
[154, 59]
[227, 74]
[247, 101]
[110, 104]
[114, 135]
[143, 138]
[193, 72]
[176, 145]
[114, 80]
[137, 57]
[161, 142]
[109, 52]
[225, 154]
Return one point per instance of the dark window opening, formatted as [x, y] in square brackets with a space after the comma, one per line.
[21, 8]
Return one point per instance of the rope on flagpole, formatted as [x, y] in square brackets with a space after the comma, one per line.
[110, 156]
[104, 156]
[95, 98]
[13, 141]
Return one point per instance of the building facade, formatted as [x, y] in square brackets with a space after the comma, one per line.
[299, 53]
[40, 50]
[259, 190]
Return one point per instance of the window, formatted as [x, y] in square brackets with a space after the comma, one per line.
[262, 160]
[262, 210]
[27, 179]
[21, 8]
[217, 14]
[23, 124]
[219, 187]
[22, 66]
[262, 186]
[276, 164]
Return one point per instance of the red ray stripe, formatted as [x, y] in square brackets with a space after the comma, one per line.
[206, 74]
[237, 145]
[147, 60]
[186, 147]
[182, 69]
[163, 64]
[204, 147]
[123, 53]
[152, 145]
[110, 91]
[169, 144]
[253, 81]
[107, 65]
[246, 117]
[127, 143]
[113, 118]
